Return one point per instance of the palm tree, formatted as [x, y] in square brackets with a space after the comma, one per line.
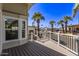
[66, 19]
[38, 17]
[76, 8]
[61, 22]
[52, 24]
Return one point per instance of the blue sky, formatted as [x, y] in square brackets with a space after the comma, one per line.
[52, 11]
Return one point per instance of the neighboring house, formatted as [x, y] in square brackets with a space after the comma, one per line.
[31, 29]
[13, 24]
[73, 28]
[54, 29]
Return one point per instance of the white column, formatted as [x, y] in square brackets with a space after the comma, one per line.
[20, 29]
[26, 28]
[1, 28]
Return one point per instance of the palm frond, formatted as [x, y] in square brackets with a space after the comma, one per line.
[38, 16]
[60, 22]
[67, 18]
[52, 22]
[76, 8]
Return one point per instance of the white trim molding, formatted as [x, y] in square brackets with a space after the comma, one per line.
[20, 40]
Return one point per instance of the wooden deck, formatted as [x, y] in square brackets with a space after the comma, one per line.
[30, 49]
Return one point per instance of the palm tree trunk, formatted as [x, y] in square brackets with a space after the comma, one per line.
[66, 27]
[38, 26]
[62, 27]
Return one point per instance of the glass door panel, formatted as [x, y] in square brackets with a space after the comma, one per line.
[11, 29]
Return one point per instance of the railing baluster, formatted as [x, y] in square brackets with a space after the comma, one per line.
[58, 38]
[76, 46]
[31, 36]
[50, 35]
[77, 43]
[69, 41]
[72, 43]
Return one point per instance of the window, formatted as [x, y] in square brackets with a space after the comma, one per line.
[23, 29]
[11, 29]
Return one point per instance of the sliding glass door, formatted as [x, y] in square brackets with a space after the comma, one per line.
[11, 29]
[23, 29]
[15, 28]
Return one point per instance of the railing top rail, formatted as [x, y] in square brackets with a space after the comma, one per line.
[64, 34]
[35, 35]
[69, 35]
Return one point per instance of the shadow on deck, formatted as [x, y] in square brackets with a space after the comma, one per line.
[31, 49]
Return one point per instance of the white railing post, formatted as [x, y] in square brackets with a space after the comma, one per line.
[77, 45]
[50, 35]
[58, 38]
[31, 36]
[37, 37]
[44, 35]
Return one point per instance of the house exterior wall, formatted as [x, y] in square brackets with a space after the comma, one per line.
[1, 28]
[73, 28]
[14, 11]
[31, 28]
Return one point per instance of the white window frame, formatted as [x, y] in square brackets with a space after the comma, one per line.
[25, 27]
[19, 28]
[9, 17]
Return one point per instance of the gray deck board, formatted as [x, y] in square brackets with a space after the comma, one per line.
[31, 49]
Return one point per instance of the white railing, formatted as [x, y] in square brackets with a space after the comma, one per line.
[67, 41]
[33, 37]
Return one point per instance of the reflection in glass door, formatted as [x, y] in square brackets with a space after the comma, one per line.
[11, 29]
[23, 29]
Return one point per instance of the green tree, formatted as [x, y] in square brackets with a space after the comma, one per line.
[38, 17]
[52, 24]
[66, 20]
[75, 10]
[61, 22]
